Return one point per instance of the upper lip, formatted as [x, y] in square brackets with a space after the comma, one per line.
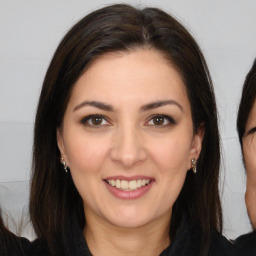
[121, 177]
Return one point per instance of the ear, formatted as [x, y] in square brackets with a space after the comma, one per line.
[61, 145]
[196, 145]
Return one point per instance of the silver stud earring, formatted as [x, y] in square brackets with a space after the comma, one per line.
[193, 163]
[64, 164]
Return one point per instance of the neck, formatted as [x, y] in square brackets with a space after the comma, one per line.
[103, 238]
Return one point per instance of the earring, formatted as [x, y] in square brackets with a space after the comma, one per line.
[193, 163]
[64, 164]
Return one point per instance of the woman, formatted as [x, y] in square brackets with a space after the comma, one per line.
[246, 127]
[126, 143]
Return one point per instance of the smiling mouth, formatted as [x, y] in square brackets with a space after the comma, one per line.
[131, 185]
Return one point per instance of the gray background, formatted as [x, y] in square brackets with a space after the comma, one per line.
[30, 32]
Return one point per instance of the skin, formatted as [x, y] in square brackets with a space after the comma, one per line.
[129, 141]
[249, 151]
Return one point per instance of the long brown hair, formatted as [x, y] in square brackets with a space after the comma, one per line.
[7, 238]
[4, 234]
[54, 197]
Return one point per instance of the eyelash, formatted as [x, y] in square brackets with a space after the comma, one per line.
[169, 119]
[85, 120]
[252, 130]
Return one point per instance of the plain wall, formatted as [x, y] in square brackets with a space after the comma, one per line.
[29, 34]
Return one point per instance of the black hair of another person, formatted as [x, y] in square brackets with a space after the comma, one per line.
[247, 100]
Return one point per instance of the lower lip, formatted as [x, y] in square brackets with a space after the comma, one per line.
[129, 195]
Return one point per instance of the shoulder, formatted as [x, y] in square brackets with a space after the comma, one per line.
[20, 246]
[189, 240]
[15, 246]
[246, 244]
[220, 245]
[39, 248]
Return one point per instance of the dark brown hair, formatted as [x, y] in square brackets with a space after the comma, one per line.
[247, 101]
[4, 234]
[7, 239]
[54, 197]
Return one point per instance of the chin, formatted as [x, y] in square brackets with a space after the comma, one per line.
[126, 220]
[130, 224]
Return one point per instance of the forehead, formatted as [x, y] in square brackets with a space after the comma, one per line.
[119, 77]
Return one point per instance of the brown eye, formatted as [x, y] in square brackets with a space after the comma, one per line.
[161, 120]
[96, 120]
[158, 120]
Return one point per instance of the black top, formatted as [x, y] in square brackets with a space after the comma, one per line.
[246, 245]
[20, 246]
[186, 243]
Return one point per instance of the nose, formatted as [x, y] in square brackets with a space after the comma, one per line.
[128, 148]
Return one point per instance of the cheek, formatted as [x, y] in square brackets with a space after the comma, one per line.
[86, 157]
[86, 154]
[170, 158]
[172, 154]
[250, 155]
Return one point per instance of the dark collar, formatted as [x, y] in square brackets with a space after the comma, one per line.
[76, 244]
[186, 242]
[182, 244]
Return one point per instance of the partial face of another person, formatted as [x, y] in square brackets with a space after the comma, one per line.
[249, 151]
[127, 136]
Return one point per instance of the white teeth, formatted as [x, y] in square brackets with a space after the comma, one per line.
[112, 182]
[124, 184]
[128, 185]
[118, 185]
[139, 183]
[132, 184]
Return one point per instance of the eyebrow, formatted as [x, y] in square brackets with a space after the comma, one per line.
[146, 107]
[95, 104]
[158, 104]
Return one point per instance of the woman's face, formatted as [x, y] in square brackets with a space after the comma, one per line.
[127, 136]
[249, 151]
